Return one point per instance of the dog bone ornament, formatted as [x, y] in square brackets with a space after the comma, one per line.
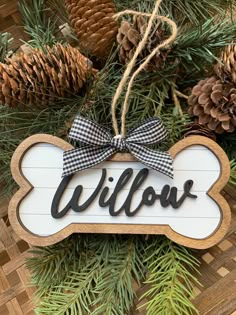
[120, 195]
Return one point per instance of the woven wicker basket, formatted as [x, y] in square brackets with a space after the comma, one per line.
[15, 291]
[217, 296]
[10, 21]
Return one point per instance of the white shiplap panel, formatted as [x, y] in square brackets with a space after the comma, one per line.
[43, 157]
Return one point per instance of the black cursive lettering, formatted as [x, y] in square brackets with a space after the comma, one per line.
[167, 197]
[138, 181]
[74, 202]
[123, 180]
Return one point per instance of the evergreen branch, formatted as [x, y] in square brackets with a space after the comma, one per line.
[197, 48]
[176, 126]
[57, 11]
[16, 124]
[37, 23]
[52, 269]
[182, 11]
[114, 289]
[149, 98]
[49, 265]
[211, 35]
[196, 12]
[99, 281]
[170, 279]
[74, 294]
[232, 180]
[5, 41]
[95, 274]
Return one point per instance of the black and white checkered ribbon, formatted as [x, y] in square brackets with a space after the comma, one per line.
[98, 145]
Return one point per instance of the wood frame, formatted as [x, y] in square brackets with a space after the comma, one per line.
[213, 192]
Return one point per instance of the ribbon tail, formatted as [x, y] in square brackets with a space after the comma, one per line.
[156, 160]
[85, 157]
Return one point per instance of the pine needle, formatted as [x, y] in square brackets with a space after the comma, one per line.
[38, 24]
[196, 12]
[94, 275]
[170, 278]
[182, 11]
[232, 180]
[5, 41]
[114, 290]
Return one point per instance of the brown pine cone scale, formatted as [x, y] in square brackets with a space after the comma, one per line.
[196, 129]
[226, 68]
[42, 77]
[94, 25]
[129, 36]
[213, 103]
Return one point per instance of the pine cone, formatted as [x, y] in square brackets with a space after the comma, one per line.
[226, 68]
[196, 129]
[93, 23]
[41, 77]
[129, 36]
[214, 104]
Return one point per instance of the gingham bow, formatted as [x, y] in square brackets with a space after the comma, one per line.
[98, 145]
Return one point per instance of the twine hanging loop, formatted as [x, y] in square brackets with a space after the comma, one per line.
[132, 62]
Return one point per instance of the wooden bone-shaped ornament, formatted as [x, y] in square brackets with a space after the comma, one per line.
[188, 209]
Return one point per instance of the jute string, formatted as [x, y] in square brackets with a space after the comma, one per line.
[132, 62]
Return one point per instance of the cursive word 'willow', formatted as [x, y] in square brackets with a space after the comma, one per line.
[167, 196]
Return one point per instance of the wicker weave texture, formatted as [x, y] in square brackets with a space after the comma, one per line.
[217, 296]
[15, 292]
[10, 21]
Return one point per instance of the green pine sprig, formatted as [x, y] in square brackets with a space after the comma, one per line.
[115, 290]
[170, 278]
[198, 47]
[96, 274]
[5, 41]
[232, 180]
[182, 11]
[38, 24]
[196, 12]
[49, 265]
[74, 295]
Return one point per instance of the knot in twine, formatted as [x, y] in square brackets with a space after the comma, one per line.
[132, 62]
